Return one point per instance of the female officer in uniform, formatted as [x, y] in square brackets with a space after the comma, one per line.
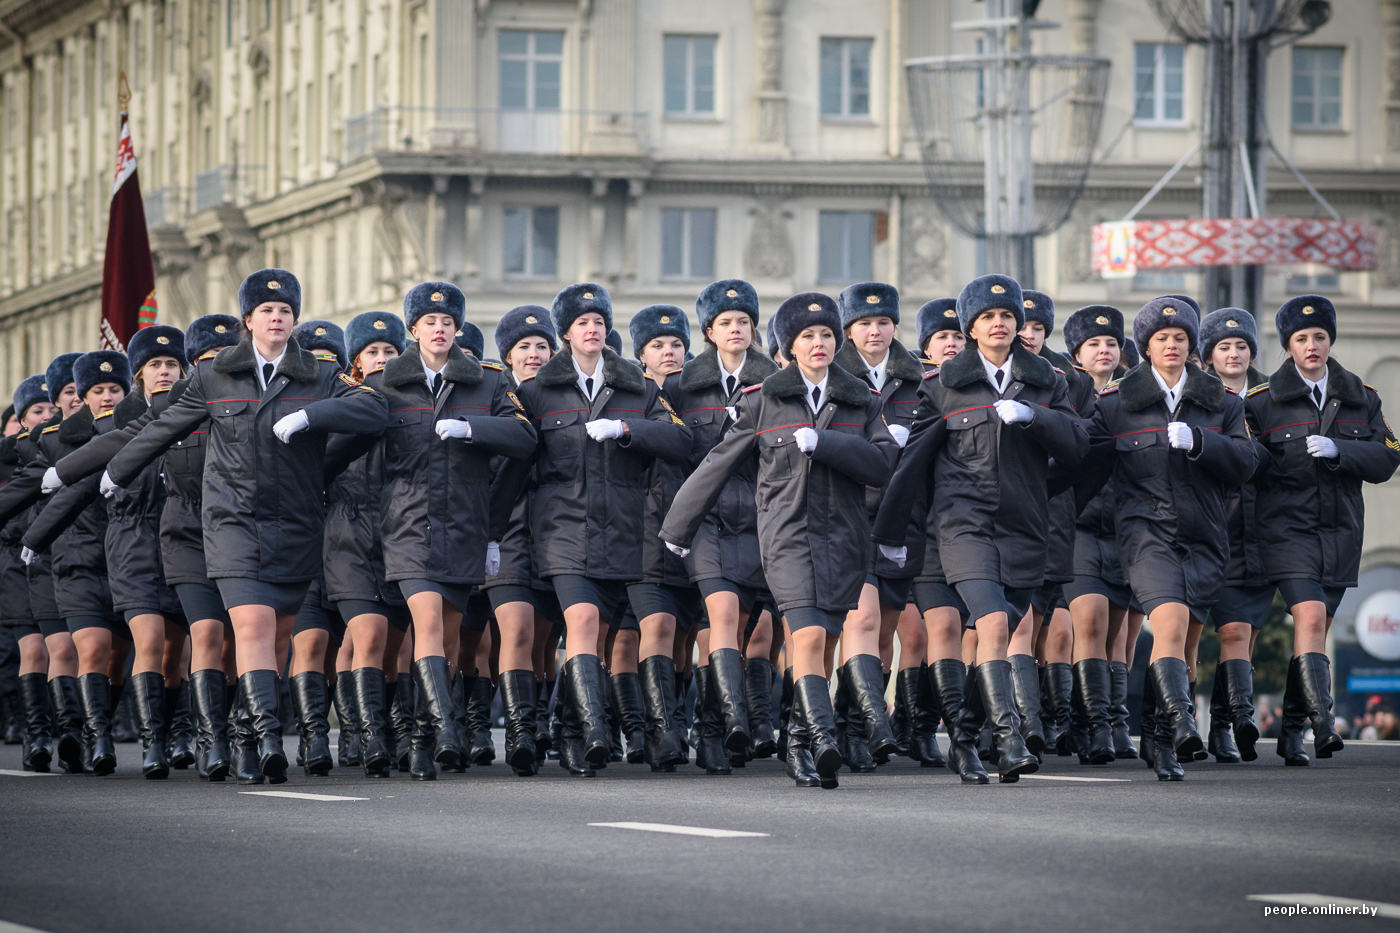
[989, 423]
[820, 439]
[268, 406]
[1324, 435]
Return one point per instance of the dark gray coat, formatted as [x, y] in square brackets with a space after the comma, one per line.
[1059, 564]
[14, 579]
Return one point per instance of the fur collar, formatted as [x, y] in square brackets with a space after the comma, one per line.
[617, 372]
[966, 368]
[1139, 389]
[1286, 384]
[130, 408]
[703, 372]
[899, 365]
[77, 429]
[9, 450]
[297, 364]
[1063, 363]
[841, 386]
[407, 368]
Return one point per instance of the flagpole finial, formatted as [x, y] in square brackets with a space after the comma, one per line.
[123, 90]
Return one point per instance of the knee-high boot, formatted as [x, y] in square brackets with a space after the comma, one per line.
[784, 712]
[309, 694]
[901, 719]
[122, 712]
[961, 704]
[1047, 712]
[1118, 710]
[571, 735]
[612, 716]
[849, 727]
[436, 709]
[865, 678]
[798, 752]
[727, 677]
[923, 718]
[1315, 672]
[478, 720]
[1175, 705]
[631, 711]
[586, 692]
[812, 701]
[1147, 739]
[375, 750]
[179, 726]
[709, 725]
[245, 744]
[349, 746]
[758, 687]
[148, 692]
[1059, 679]
[38, 740]
[518, 698]
[1092, 677]
[678, 726]
[556, 724]
[1294, 718]
[1164, 761]
[68, 722]
[1220, 740]
[544, 689]
[401, 719]
[421, 766]
[1013, 758]
[663, 742]
[96, 693]
[207, 696]
[1239, 699]
[261, 690]
[1025, 685]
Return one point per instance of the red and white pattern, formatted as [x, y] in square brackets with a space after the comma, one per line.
[1121, 249]
[126, 156]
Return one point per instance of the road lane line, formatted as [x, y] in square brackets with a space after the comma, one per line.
[1378, 908]
[1066, 777]
[7, 927]
[10, 773]
[681, 830]
[296, 796]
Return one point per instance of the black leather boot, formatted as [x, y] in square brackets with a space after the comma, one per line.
[586, 692]
[1118, 710]
[1025, 685]
[957, 697]
[148, 692]
[867, 695]
[211, 720]
[1174, 705]
[244, 748]
[1164, 761]
[709, 725]
[631, 709]
[1013, 758]
[571, 736]
[435, 707]
[663, 742]
[1047, 712]
[901, 722]
[38, 740]
[612, 716]
[68, 722]
[1239, 697]
[812, 701]
[727, 677]
[518, 698]
[544, 689]
[1293, 719]
[784, 712]
[1199, 754]
[1079, 717]
[400, 719]
[483, 746]
[376, 751]
[462, 685]
[261, 691]
[421, 766]
[123, 716]
[678, 726]
[1220, 740]
[798, 758]
[1148, 731]
[309, 696]
[758, 689]
[11, 719]
[849, 731]
[179, 726]
[1315, 675]
[1059, 690]
[349, 747]
[1092, 677]
[556, 725]
[96, 693]
[923, 719]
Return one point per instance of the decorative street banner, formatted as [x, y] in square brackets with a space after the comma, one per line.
[1121, 249]
[128, 274]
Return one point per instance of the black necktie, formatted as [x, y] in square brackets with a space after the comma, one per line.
[588, 387]
[437, 384]
[1317, 395]
[1001, 376]
[267, 375]
[816, 398]
[728, 386]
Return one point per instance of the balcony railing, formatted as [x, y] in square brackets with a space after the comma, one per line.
[496, 129]
[226, 184]
[167, 207]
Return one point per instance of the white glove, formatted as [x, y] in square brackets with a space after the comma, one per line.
[51, 481]
[454, 427]
[677, 550]
[1011, 411]
[286, 427]
[604, 429]
[107, 487]
[493, 550]
[1323, 447]
[26, 555]
[897, 554]
[1179, 435]
[900, 433]
[806, 439]
[733, 412]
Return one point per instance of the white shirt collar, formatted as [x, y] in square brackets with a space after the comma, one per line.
[815, 385]
[583, 378]
[992, 372]
[260, 362]
[430, 372]
[877, 373]
[1321, 385]
[1173, 392]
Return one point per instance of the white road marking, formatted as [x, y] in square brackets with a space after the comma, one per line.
[681, 830]
[1066, 777]
[1376, 908]
[10, 773]
[7, 927]
[295, 796]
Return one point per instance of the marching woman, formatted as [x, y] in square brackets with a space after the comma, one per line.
[525, 607]
[870, 352]
[1174, 440]
[601, 423]
[819, 439]
[989, 422]
[268, 406]
[1229, 346]
[1324, 435]
[448, 416]
[724, 560]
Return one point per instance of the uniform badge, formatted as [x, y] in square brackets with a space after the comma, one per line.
[675, 419]
[348, 381]
[515, 401]
[998, 289]
[531, 319]
[872, 299]
[162, 340]
[106, 367]
[732, 293]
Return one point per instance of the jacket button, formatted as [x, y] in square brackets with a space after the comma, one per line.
[1135, 443]
[964, 421]
[1288, 435]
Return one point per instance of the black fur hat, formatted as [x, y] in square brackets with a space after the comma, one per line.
[30, 391]
[101, 366]
[321, 335]
[579, 299]
[658, 321]
[470, 339]
[1228, 322]
[1131, 356]
[157, 340]
[773, 348]
[1160, 313]
[1305, 311]
[938, 314]
[1039, 307]
[434, 297]
[269, 285]
[1191, 303]
[802, 311]
[725, 295]
[371, 327]
[525, 321]
[868, 299]
[613, 341]
[987, 292]
[1093, 321]
[59, 373]
[210, 332]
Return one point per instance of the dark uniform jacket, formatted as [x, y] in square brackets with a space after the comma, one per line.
[587, 509]
[726, 544]
[988, 479]
[664, 477]
[14, 578]
[1170, 504]
[510, 518]
[1059, 563]
[20, 502]
[263, 508]
[1246, 567]
[1095, 529]
[813, 527]
[1309, 511]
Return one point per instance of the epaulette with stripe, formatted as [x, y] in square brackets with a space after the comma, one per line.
[105, 414]
[208, 356]
[327, 357]
[352, 383]
[1080, 368]
[527, 378]
[161, 389]
[49, 430]
[1372, 388]
[21, 435]
[931, 373]
[1057, 369]
[496, 366]
[1110, 388]
[1259, 388]
[754, 388]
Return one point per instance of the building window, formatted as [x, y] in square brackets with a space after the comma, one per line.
[1317, 88]
[1160, 282]
[688, 243]
[531, 63]
[1319, 283]
[530, 241]
[846, 241]
[1158, 84]
[229, 13]
[690, 75]
[845, 87]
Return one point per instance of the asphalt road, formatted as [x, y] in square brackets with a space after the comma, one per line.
[907, 849]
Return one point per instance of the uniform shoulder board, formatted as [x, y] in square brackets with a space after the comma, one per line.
[350, 382]
[1257, 389]
[327, 357]
[208, 356]
[1372, 388]
[487, 364]
[527, 378]
[1080, 368]
[50, 430]
[752, 388]
[1110, 388]
[21, 435]
[105, 414]
[1058, 369]
[931, 373]
[160, 390]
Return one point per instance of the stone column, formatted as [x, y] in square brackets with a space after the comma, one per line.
[1390, 32]
[771, 102]
[1083, 26]
[632, 222]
